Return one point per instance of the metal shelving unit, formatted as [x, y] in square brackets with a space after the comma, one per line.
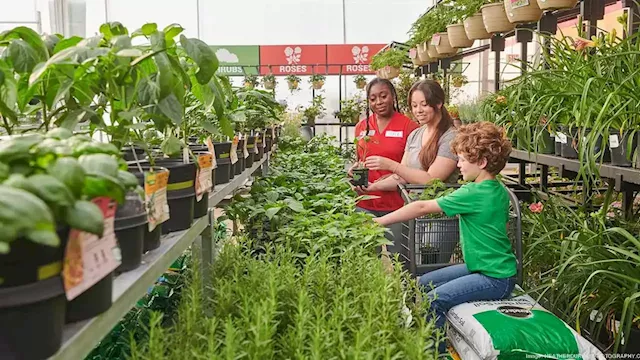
[80, 338]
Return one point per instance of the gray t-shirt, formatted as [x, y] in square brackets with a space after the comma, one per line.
[414, 145]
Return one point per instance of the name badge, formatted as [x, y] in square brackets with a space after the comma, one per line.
[393, 134]
[372, 132]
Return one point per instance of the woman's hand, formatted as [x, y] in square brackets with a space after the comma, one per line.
[379, 163]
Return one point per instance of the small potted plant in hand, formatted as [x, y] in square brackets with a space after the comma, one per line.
[250, 81]
[360, 81]
[360, 172]
[269, 81]
[317, 81]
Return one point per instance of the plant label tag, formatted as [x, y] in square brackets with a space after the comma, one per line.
[562, 137]
[245, 151]
[394, 134]
[155, 197]
[614, 142]
[435, 40]
[204, 181]
[519, 3]
[234, 150]
[413, 53]
[212, 150]
[185, 155]
[88, 259]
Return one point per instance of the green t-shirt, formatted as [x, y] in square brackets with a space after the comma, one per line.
[484, 212]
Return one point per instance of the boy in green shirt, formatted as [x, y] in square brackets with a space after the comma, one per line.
[489, 271]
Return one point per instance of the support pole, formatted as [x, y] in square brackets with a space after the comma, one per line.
[497, 46]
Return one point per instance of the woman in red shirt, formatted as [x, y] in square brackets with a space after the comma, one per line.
[388, 130]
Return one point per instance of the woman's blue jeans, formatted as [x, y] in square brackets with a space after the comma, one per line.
[454, 285]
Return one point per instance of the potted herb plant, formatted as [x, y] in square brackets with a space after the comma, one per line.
[317, 81]
[250, 81]
[269, 81]
[360, 172]
[293, 81]
[360, 81]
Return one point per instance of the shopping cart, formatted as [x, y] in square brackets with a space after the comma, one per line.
[433, 241]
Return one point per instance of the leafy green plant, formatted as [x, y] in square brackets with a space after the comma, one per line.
[316, 109]
[250, 81]
[317, 81]
[293, 81]
[360, 81]
[269, 81]
[392, 57]
[350, 111]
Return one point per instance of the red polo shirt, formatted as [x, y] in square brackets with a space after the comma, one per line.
[389, 143]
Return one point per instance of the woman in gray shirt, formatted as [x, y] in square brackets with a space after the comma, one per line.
[428, 154]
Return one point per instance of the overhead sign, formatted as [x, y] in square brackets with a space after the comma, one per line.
[237, 60]
[293, 59]
[354, 58]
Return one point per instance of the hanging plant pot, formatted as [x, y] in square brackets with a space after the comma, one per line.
[361, 84]
[270, 85]
[130, 227]
[388, 72]
[457, 82]
[556, 4]
[432, 52]
[293, 85]
[248, 85]
[474, 27]
[28, 312]
[442, 44]
[495, 18]
[317, 85]
[522, 11]
[423, 53]
[458, 36]
[355, 118]
[360, 177]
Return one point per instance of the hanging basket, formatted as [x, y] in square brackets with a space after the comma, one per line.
[522, 11]
[474, 27]
[269, 85]
[495, 18]
[457, 83]
[292, 84]
[443, 47]
[423, 53]
[361, 84]
[248, 85]
[432, 52]
[458, 36]
[556, 4]
[415, 59]
[388, 72]
[317, 85]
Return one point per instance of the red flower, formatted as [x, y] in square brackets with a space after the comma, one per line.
[536, 208]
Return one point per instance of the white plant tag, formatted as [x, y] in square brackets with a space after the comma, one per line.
[614, 142]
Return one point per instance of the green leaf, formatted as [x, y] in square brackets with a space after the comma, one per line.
[67, 43]
[96, 186]
[120, 42]
[149, 28]
[61, 91]
[129, 180]
[129, 53]
[272, 196]
[86, 216]
[53, 191]
[101, 165]
[203, 56]
[294, 205]
[171, 31]
[50, 42]
[111, 29]
[32, 38]
[22, 56]
[171, 108]
[71, 119]
[8, 93]
[70, 173]
[171, 145]
[271, 212]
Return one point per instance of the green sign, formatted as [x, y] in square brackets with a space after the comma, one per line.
[238, 60]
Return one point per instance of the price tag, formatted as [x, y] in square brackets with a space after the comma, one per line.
[155, 197]
[245, 150]
[413, 53]
[435, 40]
[614, 142]
[212, 150]
[562, 137]
[185, 155]
[234, 150]
[519, 3]
[88, 259]
[204, 182]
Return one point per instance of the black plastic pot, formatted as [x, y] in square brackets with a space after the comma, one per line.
[600, 148]
[619, 147]
[201, 207]
[223, 171]
[260, 146]
[130, 227]
[268, 141]
[29, 262]
[558, 145]
[93, 302]
[570, 146]
[127, 153]
[546, 144]
[152, 239]
[240, 164]
[251, 146]
[28, 313]
[360, 177]
[181, 194]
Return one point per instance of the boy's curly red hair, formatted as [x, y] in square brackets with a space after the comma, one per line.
[483, 140]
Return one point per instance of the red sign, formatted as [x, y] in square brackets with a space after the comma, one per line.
[354, 58]
[293, 59]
